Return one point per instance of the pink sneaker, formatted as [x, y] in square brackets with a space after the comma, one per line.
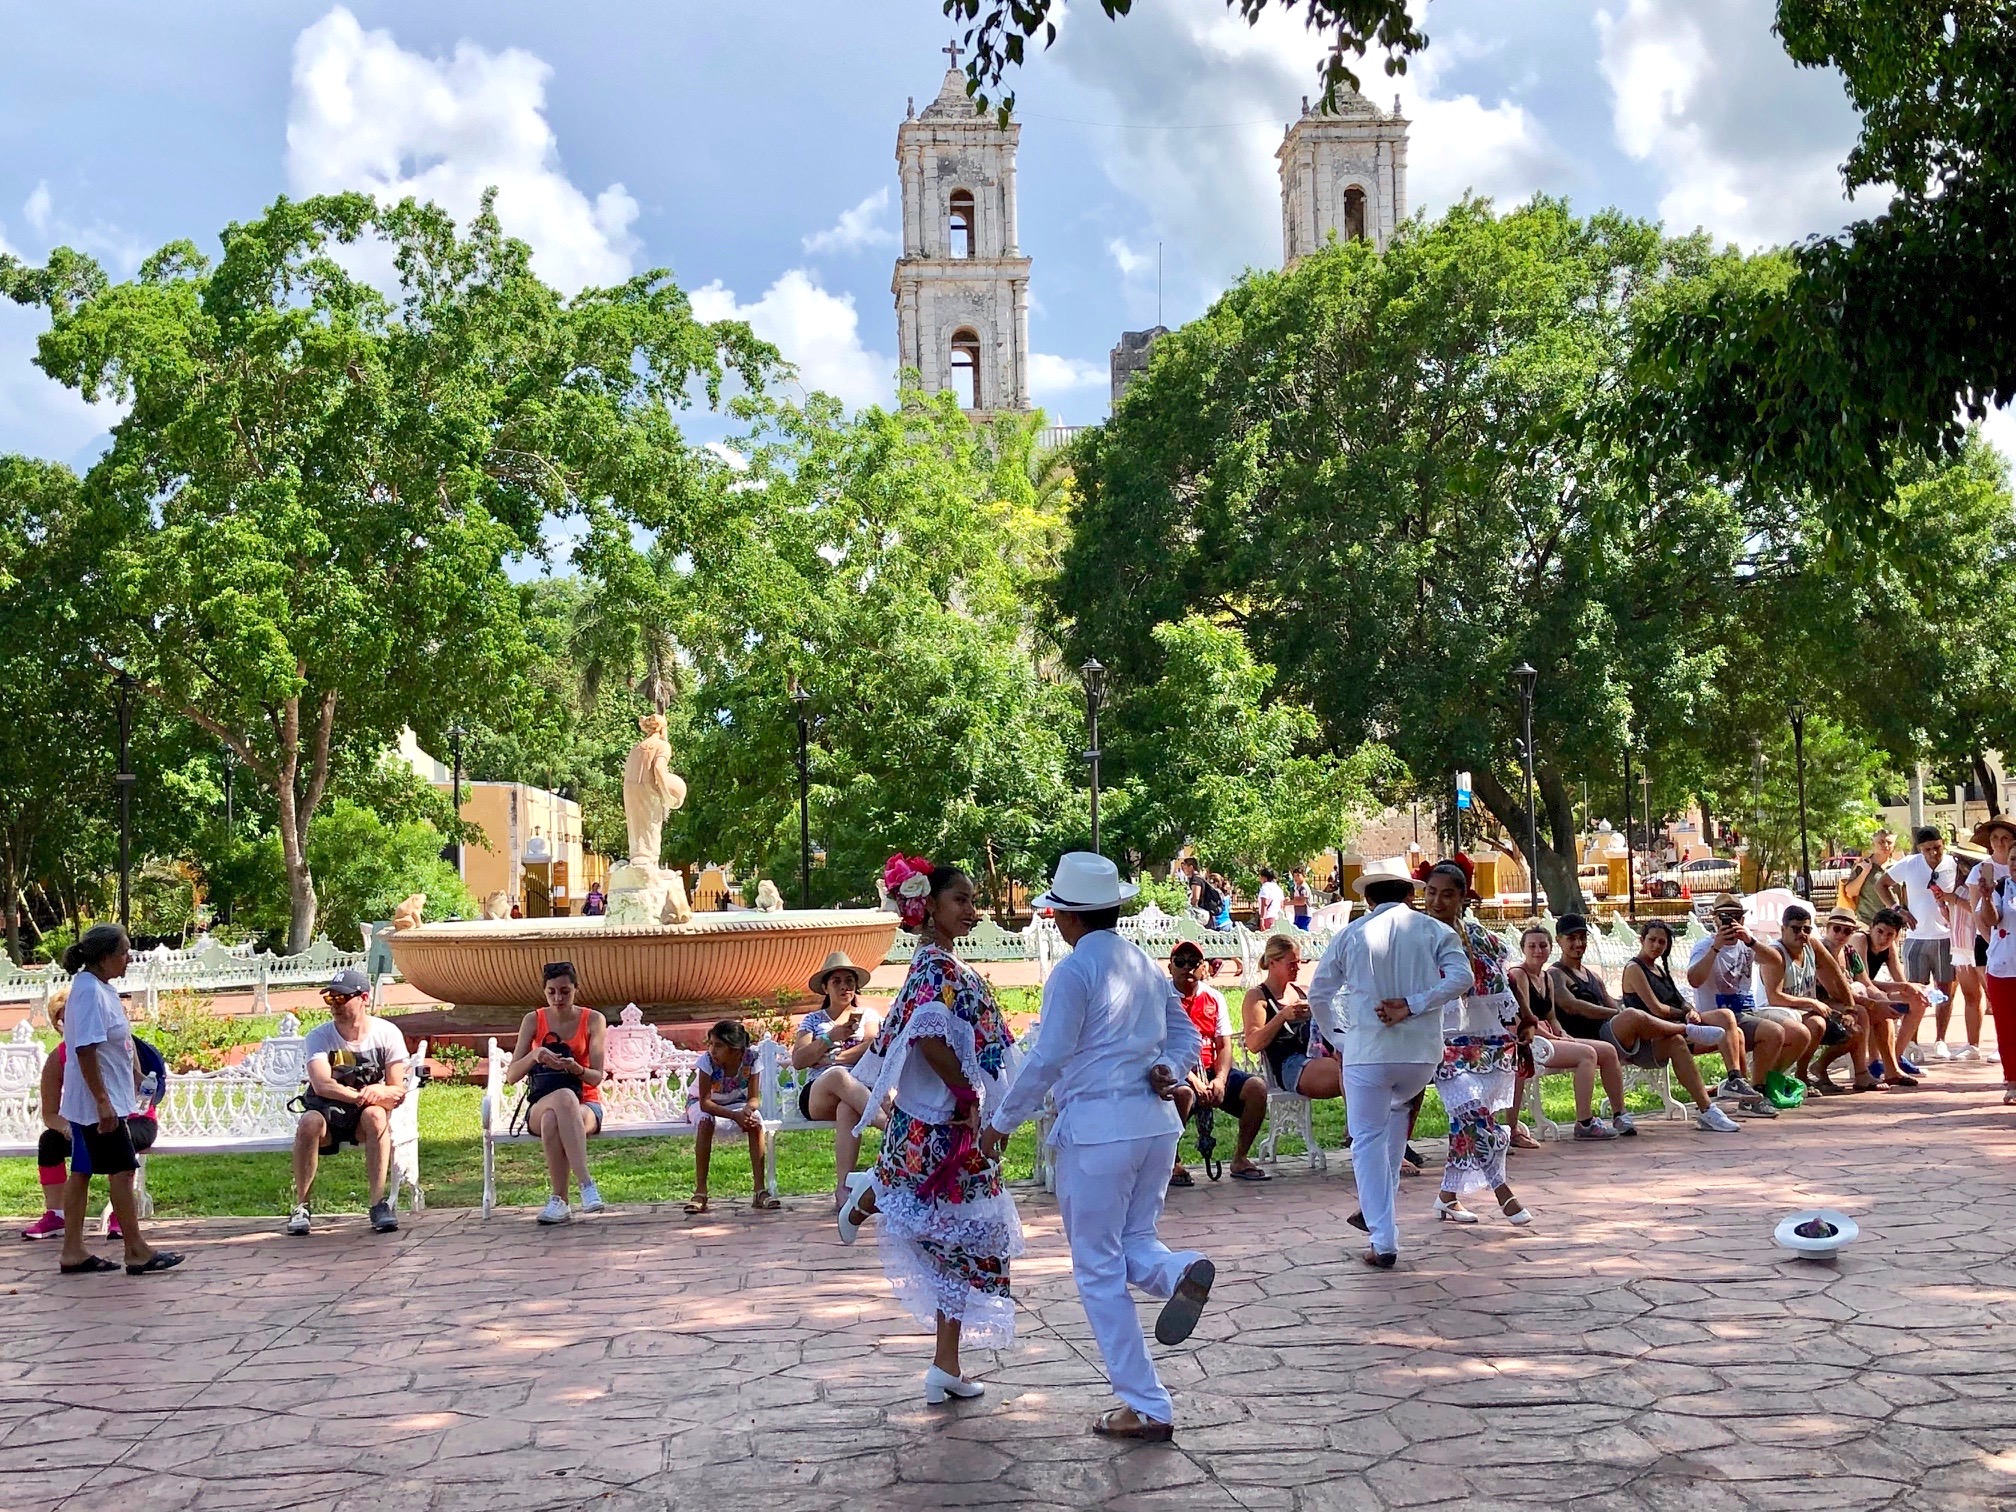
[48, 1226]
[112, 1229]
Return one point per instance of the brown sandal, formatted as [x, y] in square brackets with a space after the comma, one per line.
[1146, 1429]
[763, 1202]
[698, 1205]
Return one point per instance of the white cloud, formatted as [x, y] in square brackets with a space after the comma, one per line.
[857, 229]
[1125, 258]
[1214, 187]
[1747, 145]
[1060, 375]
[2000, 431]
[818, 331]
[368, 115]
[36, 210]
[39, 417]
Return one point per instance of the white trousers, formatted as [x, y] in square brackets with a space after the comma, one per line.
[1110, 1196]
[1375, 1109]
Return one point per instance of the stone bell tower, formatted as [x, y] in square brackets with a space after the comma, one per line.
[961, 283]
[1343, 171]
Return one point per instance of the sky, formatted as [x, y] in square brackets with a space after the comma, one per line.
[750, 148]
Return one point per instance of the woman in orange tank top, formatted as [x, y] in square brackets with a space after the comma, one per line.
[561, 1050]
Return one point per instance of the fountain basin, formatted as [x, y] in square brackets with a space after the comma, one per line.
[718, 960]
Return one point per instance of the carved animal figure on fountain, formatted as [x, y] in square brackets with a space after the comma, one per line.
[642, 894]
[409, 913]
[651, 790]
[497, 905]
[768, 899]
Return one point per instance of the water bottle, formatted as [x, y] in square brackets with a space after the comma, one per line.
[150, 1088]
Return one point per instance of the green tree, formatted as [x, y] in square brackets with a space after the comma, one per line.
[297, 537]
[1843, 778]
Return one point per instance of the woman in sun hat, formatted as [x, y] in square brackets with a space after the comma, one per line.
[1994, 895]
[831, 1041]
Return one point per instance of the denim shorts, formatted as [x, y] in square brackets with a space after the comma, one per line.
[1291, 1072]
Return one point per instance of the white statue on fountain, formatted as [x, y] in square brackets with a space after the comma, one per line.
[641, 891]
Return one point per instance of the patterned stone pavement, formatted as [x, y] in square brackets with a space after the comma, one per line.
[1644, 1345]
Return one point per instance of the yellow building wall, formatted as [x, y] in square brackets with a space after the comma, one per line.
[511, 816]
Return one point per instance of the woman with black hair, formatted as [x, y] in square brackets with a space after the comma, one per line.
[946, 1228]
[561, 1056]
[1681, 1033]
[99, 1093]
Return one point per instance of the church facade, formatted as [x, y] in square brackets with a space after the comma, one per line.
[962, 283]
[1343, 174]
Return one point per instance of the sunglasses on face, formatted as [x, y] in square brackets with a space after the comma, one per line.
[340, 997]
[1840, 929]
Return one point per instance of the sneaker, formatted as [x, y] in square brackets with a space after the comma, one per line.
[1734, 1089]
[1940, 1052]
[591, 1198]
[112, 1229]
[48, 1226]
[556, 1211]
[1970, 1053]
[1756, 1107]
[1876, 1069]
[1909, 1066]
[1712, 1120]
[384, 1217]
[297, 1225]
[1622, 1123]
[1594, 1128]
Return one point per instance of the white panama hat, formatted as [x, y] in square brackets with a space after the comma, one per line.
[1817, 1246]
[1392, 869]
[1083, 882]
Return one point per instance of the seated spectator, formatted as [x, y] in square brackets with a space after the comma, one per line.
[1871, 953]
[831, 1040]
[1554, 1049]
[1719, 971]
[1277, 1025]
[356, 1077]
[561, 1058]
[100, 1092]
[1862, 1009]
[1795, 975]
[1583, 1006]
[1217, 1083]
[52, 1146]
[724, 1097]
[1677, 1033]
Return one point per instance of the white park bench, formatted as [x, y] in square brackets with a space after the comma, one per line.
[241, 1109]
[647, 1090]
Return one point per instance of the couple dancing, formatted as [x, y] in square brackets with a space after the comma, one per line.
[1113, 1046]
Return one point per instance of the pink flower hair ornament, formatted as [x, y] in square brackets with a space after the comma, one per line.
[907, 881]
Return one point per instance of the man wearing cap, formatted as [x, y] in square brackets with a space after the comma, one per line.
[1112, 1046]
[1378, 996]
[1217, 1083]
[356, 1077]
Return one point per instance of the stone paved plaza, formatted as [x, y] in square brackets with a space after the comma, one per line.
[1644, 1345]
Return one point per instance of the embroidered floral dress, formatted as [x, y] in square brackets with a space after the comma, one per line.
[947, 1253]
[1478, 1077]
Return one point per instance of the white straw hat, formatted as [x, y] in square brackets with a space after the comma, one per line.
[1392, 869]
[1084, 882]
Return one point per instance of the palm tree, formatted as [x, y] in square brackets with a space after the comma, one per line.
[622, 631]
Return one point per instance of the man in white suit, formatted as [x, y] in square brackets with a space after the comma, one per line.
[1112, 1046]
[1378, 996]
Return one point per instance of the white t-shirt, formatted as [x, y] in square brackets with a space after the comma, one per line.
[95, 1016]
[1917, 879]
[363, 1062]
[1270, 898]
[2002, 938]
[1729, 977]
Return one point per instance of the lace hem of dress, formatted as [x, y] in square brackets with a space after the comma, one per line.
[924, 1289]
[988, 1226]
[927, 1021]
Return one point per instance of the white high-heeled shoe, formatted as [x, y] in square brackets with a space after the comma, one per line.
[939, 1384]
[1519, 1219]
[844, 1220]
[1453, 1212]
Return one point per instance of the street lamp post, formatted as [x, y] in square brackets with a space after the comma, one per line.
[455, 737]
[1094, 678]
[800, 699]
[1645, 790]
[124, 779]
[1525, 676]
[1630, 851]
[1798, 712]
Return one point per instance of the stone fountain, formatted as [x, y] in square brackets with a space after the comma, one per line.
[650, 948]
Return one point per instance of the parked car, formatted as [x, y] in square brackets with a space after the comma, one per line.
[1707, 874]
[1595, 880]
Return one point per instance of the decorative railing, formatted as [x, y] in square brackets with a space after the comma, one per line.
[207, 966]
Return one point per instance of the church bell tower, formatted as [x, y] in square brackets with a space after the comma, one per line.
[1343, 171]
[961, 283]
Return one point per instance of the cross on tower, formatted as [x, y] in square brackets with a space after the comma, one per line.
[951, 50]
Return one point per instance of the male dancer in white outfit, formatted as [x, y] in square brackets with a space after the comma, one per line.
[1378, 996]
[1113, 1044]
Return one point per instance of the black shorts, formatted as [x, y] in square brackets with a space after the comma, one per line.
[1235, 1087]
[339, 1121]
[1980, 953]
[96, 1154]
[805, 1100]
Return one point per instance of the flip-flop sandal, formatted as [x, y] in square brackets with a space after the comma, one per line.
[161, 1260]
[1186, 1305]
[697, 1206]
[1251, 1173]
[1181, 1179]
[764, 1202]
[1143, 1428]
[1357, 1221]
[94, 1266]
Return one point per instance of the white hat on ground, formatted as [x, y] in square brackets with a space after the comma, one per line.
[1392, 869]
[1840, 1231]
[1084, 882]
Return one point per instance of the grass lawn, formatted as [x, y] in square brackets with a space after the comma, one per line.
[628, 1170]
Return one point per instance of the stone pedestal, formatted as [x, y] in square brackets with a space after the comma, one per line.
[640, 893]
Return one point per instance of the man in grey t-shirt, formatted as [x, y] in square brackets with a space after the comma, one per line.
[356, 1077]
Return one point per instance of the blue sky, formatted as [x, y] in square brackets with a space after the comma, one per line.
[750, 147]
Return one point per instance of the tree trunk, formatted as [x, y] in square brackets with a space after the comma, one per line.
[1986, 780]
[1555, 871]
[1560, 862]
